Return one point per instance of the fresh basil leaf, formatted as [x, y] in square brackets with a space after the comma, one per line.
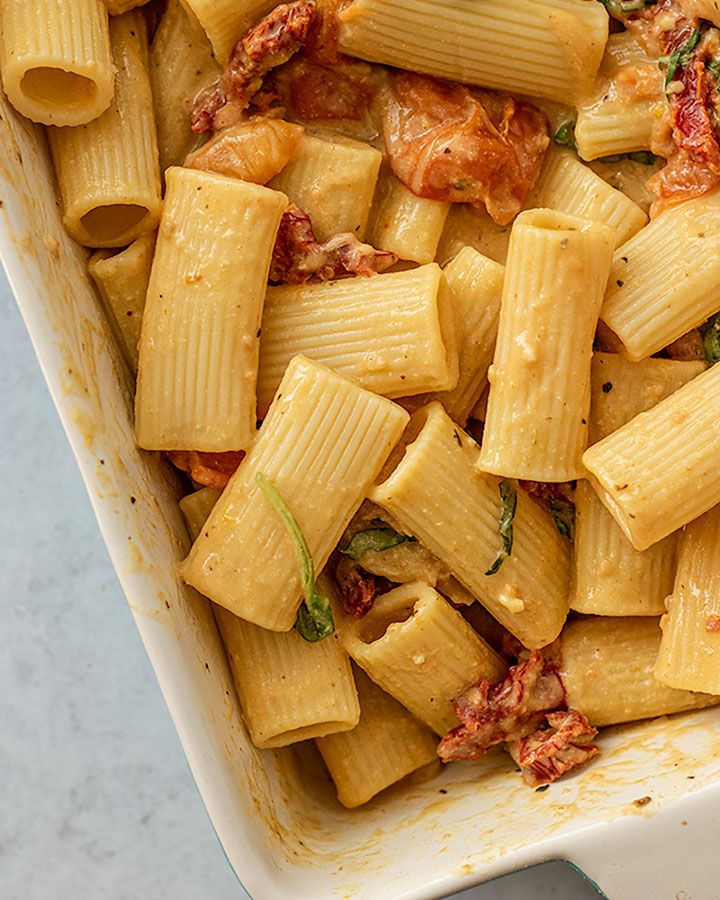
[621, 8]
[374, 540]
[645, 157]
[713, 67]
[710, 332]
[508, 495]
[565, 135]
[563, 513]
[679, 58]
[314, 619]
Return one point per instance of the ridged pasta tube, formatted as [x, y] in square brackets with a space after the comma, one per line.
[198, 352]
[421, 650]
[57, 67]
[545, 48]
[606, 665]
[387, 744]
[660, 470]
[322, 445]
[689, 655]
[539, 401]
[289, 689]
[108, 170]
[436, 493]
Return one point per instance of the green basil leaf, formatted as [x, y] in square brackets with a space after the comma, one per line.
[508, 495]
[621, 8]
[563, 513]
[314, 619]
[710, 332]
[374, 540]
[679, 58]
[565, 135]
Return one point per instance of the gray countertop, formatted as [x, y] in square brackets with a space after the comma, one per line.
[98, 802]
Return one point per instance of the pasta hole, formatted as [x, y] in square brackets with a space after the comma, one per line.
[55, 87]
[375, 626]
[109, 223]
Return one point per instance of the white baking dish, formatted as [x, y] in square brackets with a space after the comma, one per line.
[275, 812]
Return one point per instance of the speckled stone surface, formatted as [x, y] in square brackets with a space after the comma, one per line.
[97, 800]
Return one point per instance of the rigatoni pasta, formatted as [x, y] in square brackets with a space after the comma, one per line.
[437, 494]
[420, 650]
[387, 744]
[56, 61]
[225, 21]
[392, 335]
[199, 344]
[322, 445]
[108, 169]
[539, 400]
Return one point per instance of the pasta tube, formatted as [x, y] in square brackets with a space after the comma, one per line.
[56, 62]
[689, 655]
[182, 64]
[334, 182]
[225, 21]
[108, 170]
[659, 471]
[200, 335]
[289, 689]
[422, 652]
[196, 508]
[474, 285]
[436, 493]
[392, 334]
[322, 445]
[606, 666]
[403, 223]
[539, 401]
[666, 279]
[546, 49]
[122, 281]
[387, 744]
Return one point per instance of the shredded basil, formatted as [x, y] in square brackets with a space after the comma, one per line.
[563, 513]
[508, 495]
[620, 8]
[713, 67]
[314, 619]
[374, 540]
[565, 135]
[645, 157]
[679, 58]
[710, 332]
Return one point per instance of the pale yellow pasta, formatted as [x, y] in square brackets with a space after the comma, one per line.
[422, 652]
[196, 508]
[616, 118]
[122, 281]
[474, 286]
[182, 63]
[322, 445]
[57, 67]
[387, 744]
[539, 400]
[565, 184]
[225, 21]
[403, 223]
[333, 181]
[392, 334]
[199, 344]
[689, 655]
[437, 494]
[289, 689]
[621, 389]
[606, 666]
[611, 577]
[108, 170]
[546, 49]
[666, 279]
[660, 470]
